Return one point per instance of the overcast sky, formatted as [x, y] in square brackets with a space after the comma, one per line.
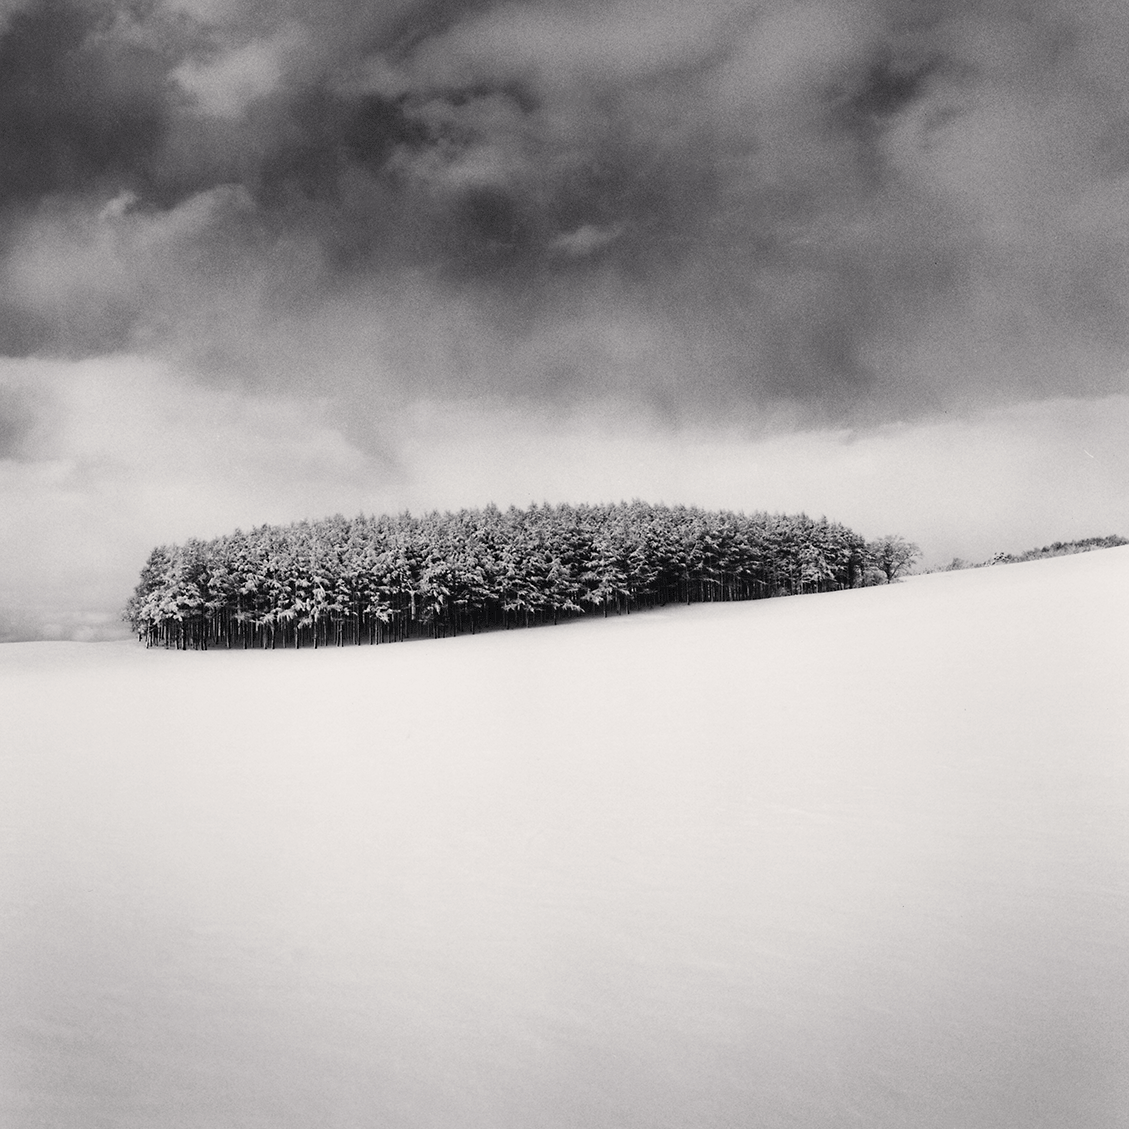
[274, 260]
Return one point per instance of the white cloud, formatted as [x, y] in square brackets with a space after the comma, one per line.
[620, 42]
[224, 86]
[1003, 479]
[141, 455]
[585, 240]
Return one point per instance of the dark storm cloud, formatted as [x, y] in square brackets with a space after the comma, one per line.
[875, 207]
[81, 107]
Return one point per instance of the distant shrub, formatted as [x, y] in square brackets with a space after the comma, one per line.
[1055, 549]
[1066, 548]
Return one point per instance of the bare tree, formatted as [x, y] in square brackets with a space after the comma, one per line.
[893, 555]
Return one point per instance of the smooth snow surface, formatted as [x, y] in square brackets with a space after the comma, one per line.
[847, 860]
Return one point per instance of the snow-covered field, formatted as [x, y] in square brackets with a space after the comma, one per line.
[847, 860]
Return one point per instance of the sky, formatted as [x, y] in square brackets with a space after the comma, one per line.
[271, 261]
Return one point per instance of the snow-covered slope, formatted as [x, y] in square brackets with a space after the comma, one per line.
[858, 859]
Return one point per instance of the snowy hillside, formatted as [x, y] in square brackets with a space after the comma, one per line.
[850, 859]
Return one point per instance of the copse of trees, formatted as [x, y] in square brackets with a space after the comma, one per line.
[382, 579]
